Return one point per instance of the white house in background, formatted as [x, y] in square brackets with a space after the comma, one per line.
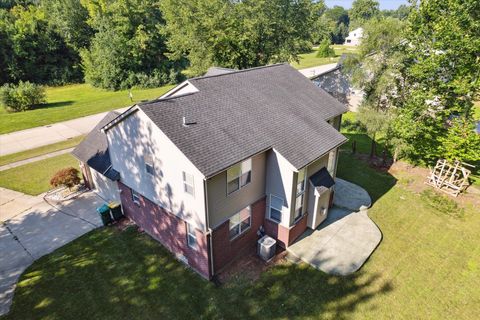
[354, 37]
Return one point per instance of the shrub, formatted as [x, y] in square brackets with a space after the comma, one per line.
[324, 50]
[67, 177]
[21, 97]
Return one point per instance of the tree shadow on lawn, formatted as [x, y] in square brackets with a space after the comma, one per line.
[358, 169]
[110, 274]
[54, 104]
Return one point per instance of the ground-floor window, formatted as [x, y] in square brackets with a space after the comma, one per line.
[240, 222]
[191, 236]
[135, 196]
[276, 204]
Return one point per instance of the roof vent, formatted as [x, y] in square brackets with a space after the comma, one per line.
[187, 124]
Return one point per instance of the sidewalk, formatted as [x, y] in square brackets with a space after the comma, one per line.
[34, 159]
[56, 132]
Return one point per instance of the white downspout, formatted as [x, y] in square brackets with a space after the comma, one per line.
[209, 230]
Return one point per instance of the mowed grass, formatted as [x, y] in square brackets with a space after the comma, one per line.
[426, 267]
[34, 178]
[74, 101]
[27, 154]
[308, 60]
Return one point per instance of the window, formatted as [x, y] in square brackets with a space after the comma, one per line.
[135, 196]
[191, 236]
[276, 205]
[149, 168]
[240, 222]
[300, 193]
[188, 186]
[239, 175]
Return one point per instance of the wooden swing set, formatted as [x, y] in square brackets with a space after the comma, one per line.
[451, 178]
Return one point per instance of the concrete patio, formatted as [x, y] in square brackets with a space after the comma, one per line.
[345, 240]
[27, 234]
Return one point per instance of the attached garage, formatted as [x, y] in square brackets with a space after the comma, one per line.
[95, 163]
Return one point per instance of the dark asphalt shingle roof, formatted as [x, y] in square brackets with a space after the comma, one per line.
[322, 178]
[93, 150]
[242, 113]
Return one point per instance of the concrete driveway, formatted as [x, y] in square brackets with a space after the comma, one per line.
[39, 230]
[344, 241]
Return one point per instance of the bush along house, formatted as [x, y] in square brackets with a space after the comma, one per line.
[218, 158]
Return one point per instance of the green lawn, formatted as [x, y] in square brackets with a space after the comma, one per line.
[426, 267]
[34, 178]
[73, 101]
[14, 157]
[308, 60]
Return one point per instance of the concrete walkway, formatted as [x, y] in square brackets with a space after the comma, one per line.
[345, 240]
[315, 71]
[34, 159]
[31, 234]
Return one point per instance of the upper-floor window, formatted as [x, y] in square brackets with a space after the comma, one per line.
[149, 167]
[276, 205]
[240, 222]
[300, 193]
[188, 186]
[239, 175]
[191, 236]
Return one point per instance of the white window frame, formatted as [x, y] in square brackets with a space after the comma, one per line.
[191, 237]
[277, 209]
[149, 165]
[187, 185]
[135, 197]
[244, 169]
[300, 192]
[239, 224]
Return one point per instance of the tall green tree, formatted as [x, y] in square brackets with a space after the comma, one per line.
[35, 51]
[336, 21]
[69, 18]
[362, 11]
[128, 48]
[237, 34]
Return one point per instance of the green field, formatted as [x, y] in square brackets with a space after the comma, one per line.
[34, 178]
[426, 267]
[73, 101]
[308, 60]
[14, 157]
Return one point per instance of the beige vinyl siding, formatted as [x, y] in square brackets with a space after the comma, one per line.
[222, 206]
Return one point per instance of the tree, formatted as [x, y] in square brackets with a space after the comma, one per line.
[461, 142]
[34, 50]
[69, 18]
[68, 177]
[128, 48]
[362, 11]
[336, 21]
[237, 34]
[324, 50]
[400, 13]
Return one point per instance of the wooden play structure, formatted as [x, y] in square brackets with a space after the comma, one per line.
[451, 178]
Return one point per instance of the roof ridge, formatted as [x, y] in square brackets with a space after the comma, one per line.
[239, 71]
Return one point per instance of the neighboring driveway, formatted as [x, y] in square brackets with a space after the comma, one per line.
[315, 71]
[345, 240]
[29, 235]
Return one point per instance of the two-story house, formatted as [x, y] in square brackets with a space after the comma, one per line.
[218, 158]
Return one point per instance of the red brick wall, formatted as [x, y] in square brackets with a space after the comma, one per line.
[285, 236]
[226, 250]
[168, 229]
